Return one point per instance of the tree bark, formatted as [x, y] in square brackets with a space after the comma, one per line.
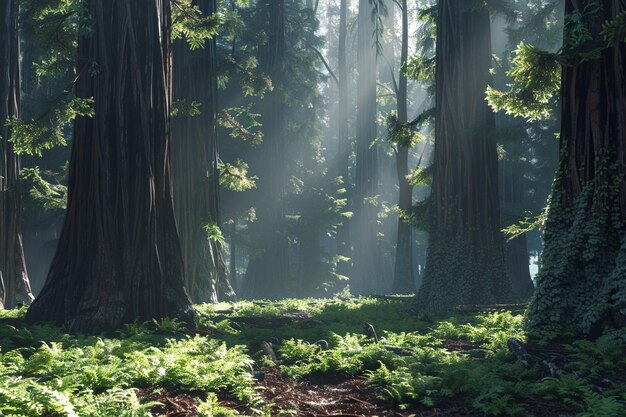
[517, 267]
[403, 281]
[581, 286]
[511, 210]
[367, 274]
[14, 283]
[195, 167]
[465, 263]
[344, 241]
[119, 258]
[233, 254]
[268, 273]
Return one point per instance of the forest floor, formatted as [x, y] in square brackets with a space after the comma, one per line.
[315, 357]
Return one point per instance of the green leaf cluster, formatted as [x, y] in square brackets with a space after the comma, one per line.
[46, 189]
[242, 124]
[235, 176]
[536, 82]
[35, 136]
[614, 31]
[191, 24]
[401, 135]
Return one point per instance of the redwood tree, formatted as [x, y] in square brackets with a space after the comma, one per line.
[267, 275]
[403, 281]
[367, 274]
[195, 166]
[119, 256]
[581, 286]
[344, 241]
[465, 263]
[14, 284]
[511, 198]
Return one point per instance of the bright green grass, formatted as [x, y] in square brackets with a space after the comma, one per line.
[46, 372]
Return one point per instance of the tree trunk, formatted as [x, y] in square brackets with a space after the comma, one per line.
[344, 244]
[511, 211]
[194, 167]
[581, 285]
[516, 255]
[268, 275]
[119, 257]
[403, 282]
[465, 262]
[14, 284]
[233, 254]
[367, 274]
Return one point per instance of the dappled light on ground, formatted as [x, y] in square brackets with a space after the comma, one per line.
[333, 357]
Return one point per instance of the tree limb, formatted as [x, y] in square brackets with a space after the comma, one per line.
[330, 71]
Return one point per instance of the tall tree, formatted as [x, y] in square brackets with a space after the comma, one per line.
[465, 263]
[119, 256]
[511, 200]
[403, 281]
[344, 244]
[530, 153]
[195, 170]
[367, 262]
[268, 272]
[582, 281]
[14, 284]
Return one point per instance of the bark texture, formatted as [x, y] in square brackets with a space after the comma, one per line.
[582, 280]
[344, 238]
[367, 274]
[119, 257]
[465, 263]
[194, 167]
[403, 280]
[14, 284]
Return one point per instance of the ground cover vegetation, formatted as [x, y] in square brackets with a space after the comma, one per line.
[309, 357]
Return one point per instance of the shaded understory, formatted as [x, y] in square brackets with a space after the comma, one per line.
[335, 357]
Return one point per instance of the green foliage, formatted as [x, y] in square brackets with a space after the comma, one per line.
[420, 69]
[33, 137]
[54, 26]
[614, 31]
[536, 82]
[576, 393]
[184, 108]
[576, 31]
[193, 364]
[529, 223]
[420, 176]
[252, 82]
[409, 363]
[401, 135]
[211, 408]
[76, 376]
[189, 23]
[494, 401]
[214, 233]
[46, 189]
[600, 358]
[580, 285]
[536, 73]
[242, 124]
[235, 177]
[402, 385]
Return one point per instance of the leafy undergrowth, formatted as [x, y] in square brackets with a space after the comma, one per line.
[307, 358]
